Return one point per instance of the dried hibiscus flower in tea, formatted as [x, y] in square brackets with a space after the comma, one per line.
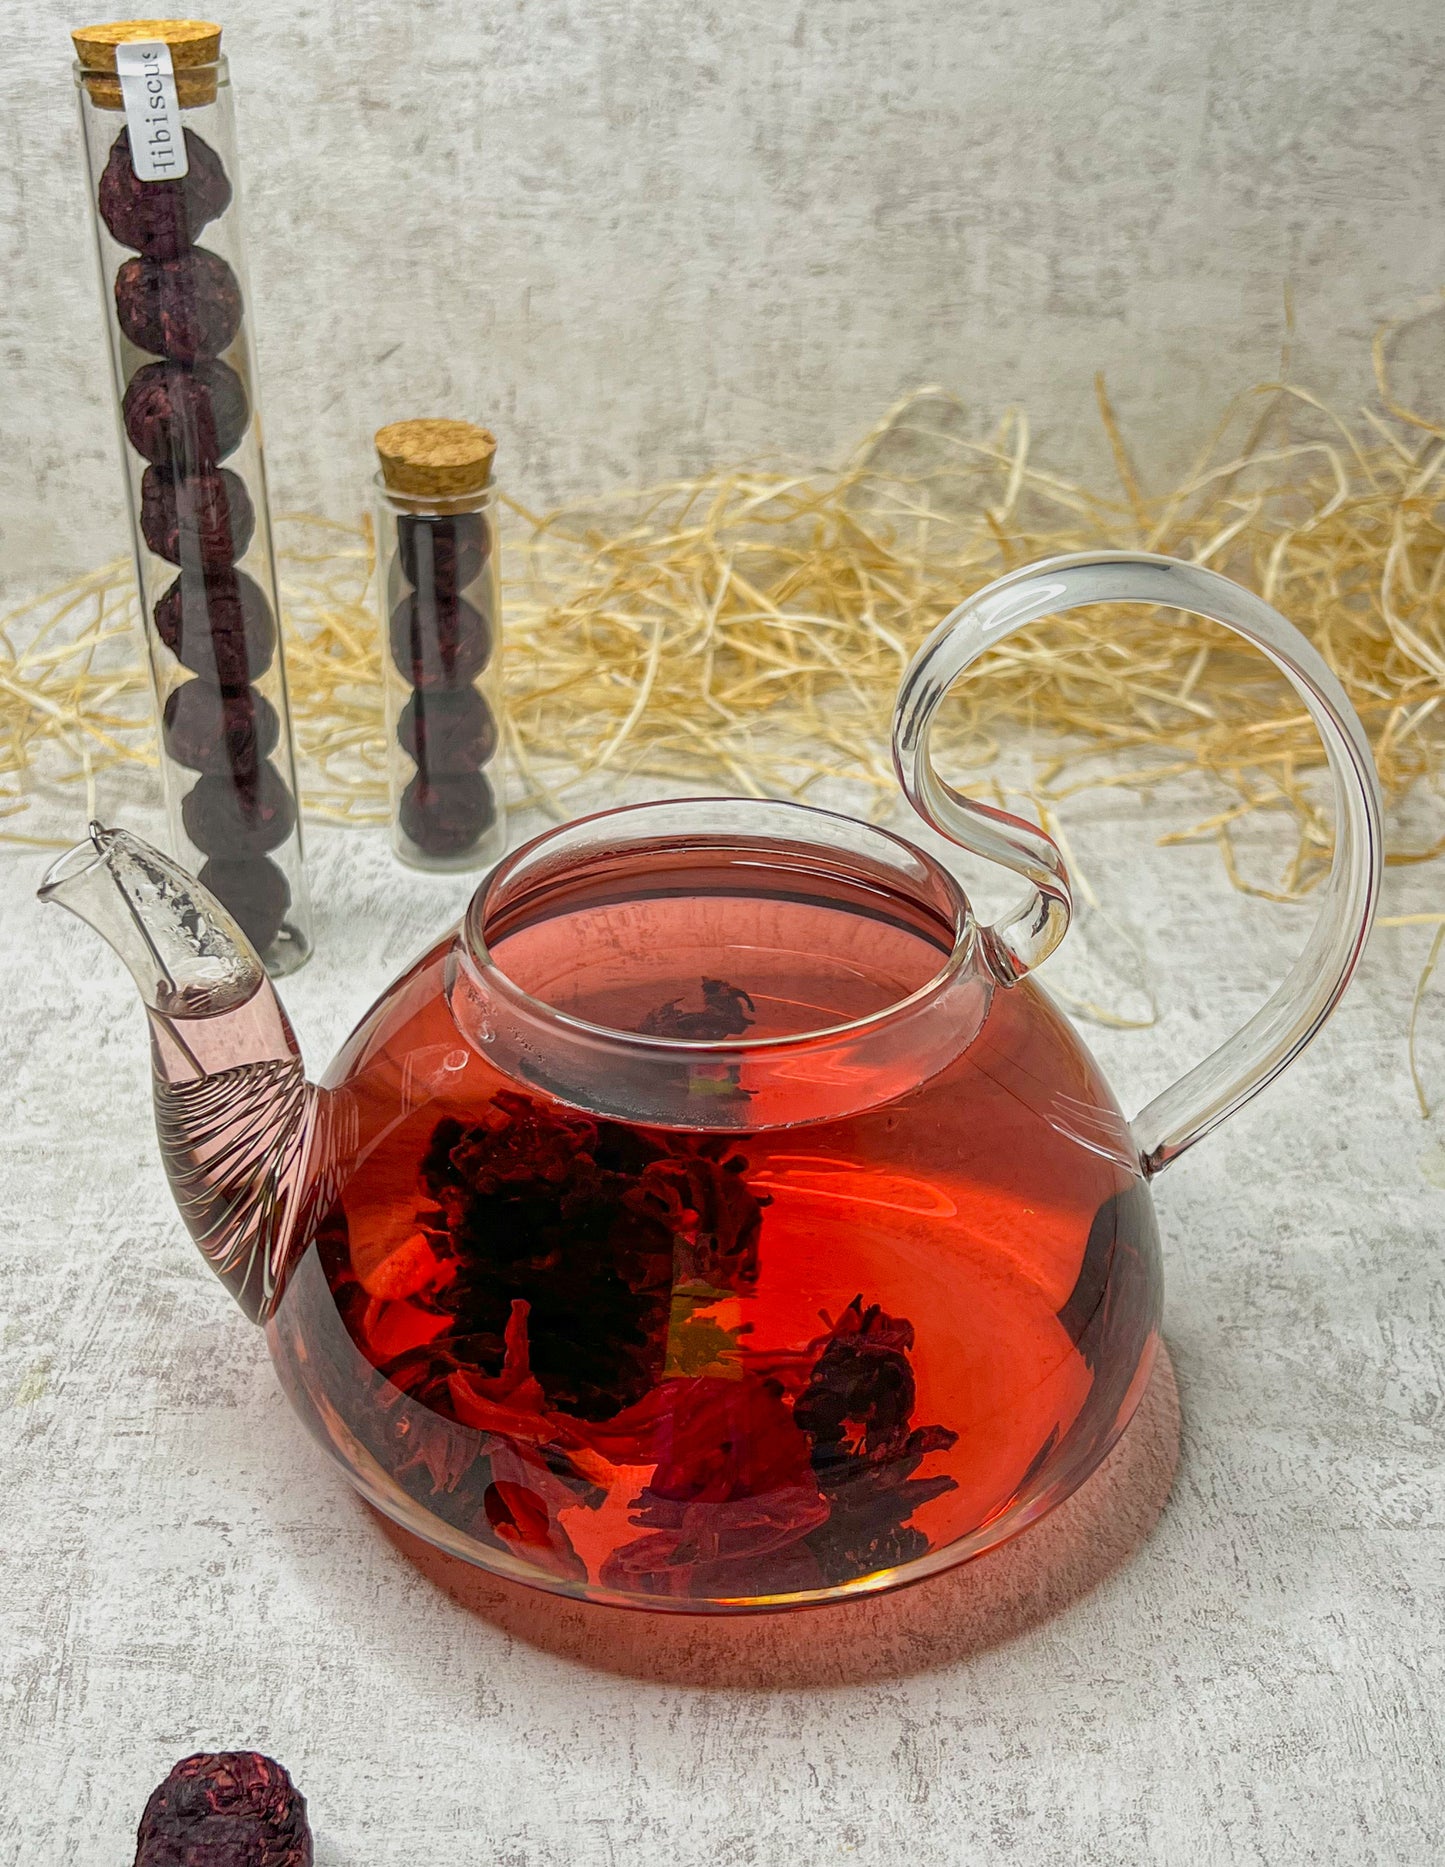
[857, 1413]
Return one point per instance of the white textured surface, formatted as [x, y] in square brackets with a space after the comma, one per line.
[639, 238]
[1244, 1669]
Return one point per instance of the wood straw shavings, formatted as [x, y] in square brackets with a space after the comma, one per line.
[751, 627]
[747, 629]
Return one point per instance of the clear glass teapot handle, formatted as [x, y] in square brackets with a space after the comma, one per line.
[1281, 1028]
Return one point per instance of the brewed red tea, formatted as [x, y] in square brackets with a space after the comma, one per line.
[724, 1362]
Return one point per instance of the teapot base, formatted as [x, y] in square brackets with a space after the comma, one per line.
[1022, 1514]
[897, 1386]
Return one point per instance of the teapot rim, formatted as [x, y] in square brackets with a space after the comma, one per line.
[958, 959]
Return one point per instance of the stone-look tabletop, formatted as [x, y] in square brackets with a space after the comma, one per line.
[1227, 1648]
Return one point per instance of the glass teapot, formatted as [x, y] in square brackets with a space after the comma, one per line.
[720, 1217]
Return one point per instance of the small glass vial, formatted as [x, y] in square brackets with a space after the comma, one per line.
[160, 145]
[439, 599]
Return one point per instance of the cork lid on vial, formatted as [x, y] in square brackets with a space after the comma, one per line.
[195, 45]
[435, 459]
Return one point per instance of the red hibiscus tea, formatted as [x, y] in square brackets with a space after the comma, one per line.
[724, 1364]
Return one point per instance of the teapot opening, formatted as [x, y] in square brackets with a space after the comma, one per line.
[719, 921]
[719, 961]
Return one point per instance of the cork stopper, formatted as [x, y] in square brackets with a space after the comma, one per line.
[195, 46]
[435, 459]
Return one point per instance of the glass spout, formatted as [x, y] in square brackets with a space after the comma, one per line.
[184, 951]
[235, 1115]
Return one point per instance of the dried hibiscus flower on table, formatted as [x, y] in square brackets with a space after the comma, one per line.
[230, 1808]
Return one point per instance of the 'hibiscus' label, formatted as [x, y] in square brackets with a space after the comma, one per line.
[152, 112]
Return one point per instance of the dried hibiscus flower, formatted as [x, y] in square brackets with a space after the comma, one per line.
[232, 817]
[441, 556]
[230, 1808]
[203, 522]
[187, 308]
[750, 1497]
[733, 1485]
[439, 648]
[213, 730]
[185, 418]
[162, 218]
[446, 815]
[727, 1011]
[219, 626]
[255, 891]
[447, 733]
[531, 1359]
